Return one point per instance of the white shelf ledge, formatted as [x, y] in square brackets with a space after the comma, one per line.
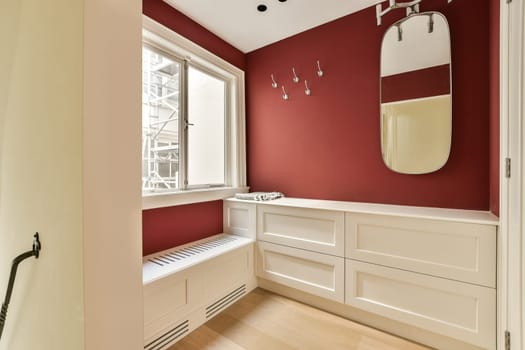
[456, 215]
[169, 199]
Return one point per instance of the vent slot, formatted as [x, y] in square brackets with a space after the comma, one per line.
[169, 337]
[225, 301]
[177, 255]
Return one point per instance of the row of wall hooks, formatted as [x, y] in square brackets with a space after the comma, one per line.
[307, 91]
[296, 80]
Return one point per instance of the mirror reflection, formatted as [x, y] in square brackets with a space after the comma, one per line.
[416, 94]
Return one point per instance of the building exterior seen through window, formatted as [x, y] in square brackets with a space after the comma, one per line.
[183, 124]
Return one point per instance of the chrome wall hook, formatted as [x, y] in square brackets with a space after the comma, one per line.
[285, 95]
[320, 72]
[307, 90]
[274, 83]
[295, 77]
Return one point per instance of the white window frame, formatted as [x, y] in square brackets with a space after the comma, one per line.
[156, 35]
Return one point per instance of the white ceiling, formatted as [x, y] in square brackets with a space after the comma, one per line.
[239, 23]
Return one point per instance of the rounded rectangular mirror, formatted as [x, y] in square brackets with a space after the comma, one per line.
[416, 94]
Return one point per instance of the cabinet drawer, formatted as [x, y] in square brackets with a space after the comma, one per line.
[314, 273]
[460, 251]
[455, 309]
[311, 229]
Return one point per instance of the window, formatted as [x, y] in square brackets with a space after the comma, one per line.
[183, 143]
[192, 120]
[206, 116]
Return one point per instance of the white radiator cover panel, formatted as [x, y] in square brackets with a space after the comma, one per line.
[169, 337]
[183, 283]
[168, 298]
[226, 272]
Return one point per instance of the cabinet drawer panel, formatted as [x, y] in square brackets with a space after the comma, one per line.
[316, 230]
[459, 310]
[315, 273]
[239, 219]
[460, 251]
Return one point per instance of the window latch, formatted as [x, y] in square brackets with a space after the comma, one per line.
[188, 124]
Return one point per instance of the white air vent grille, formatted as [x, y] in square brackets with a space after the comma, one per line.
[177, 255]
[168, 338]
[225, 301]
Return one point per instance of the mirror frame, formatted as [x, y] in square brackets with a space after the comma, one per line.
[402, 20]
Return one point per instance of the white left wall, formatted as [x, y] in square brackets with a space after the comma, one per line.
[70, 95]
[112, 175]
[41, 80]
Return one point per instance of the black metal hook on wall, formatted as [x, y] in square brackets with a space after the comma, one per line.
[37, 246]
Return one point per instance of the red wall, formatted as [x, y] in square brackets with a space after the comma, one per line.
[168, 227]
[327, 145]
[494, 22]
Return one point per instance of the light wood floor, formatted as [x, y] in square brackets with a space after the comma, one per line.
[266, 321]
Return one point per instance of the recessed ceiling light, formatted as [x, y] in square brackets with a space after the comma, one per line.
[282, 0]
[262, 8]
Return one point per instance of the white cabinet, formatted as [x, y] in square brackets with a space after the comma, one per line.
[431, 268]
[185, 286]
[316, 230]
[454, 250]
[302, 248]
[315, 273]
[438, 275]
[459, 310]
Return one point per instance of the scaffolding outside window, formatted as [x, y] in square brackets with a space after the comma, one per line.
[183, 124]
[161, 80]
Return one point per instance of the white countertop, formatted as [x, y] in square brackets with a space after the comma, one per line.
[456, 215]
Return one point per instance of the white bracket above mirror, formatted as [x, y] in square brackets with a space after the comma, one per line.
[411, 7]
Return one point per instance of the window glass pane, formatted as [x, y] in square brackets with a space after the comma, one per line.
[206, 111]
[160, 126]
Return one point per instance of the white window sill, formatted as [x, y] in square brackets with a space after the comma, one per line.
[161, 200]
